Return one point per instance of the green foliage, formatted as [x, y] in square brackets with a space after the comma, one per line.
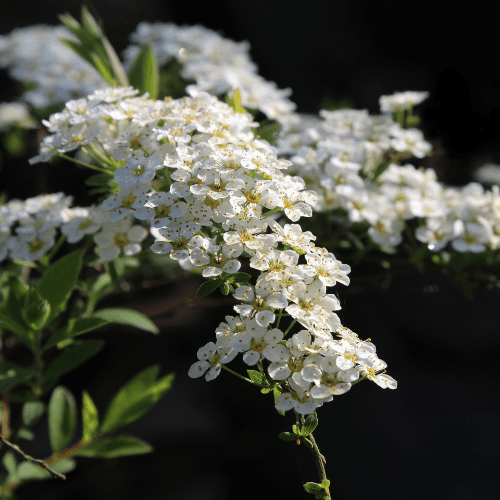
[320, 491]
[116, 446]
[36, 309]
[288, 436]
[257, 378]
[62, 418]
[135, 398]
[30, 471]
[70, 359]
[128, 317]
[208, 287]
[269, 131]
[310, 424]
[12, 375]
[76, 327]
[58, 281]
[33, 412]
[235, 102]
[143, 73]
[90, 417]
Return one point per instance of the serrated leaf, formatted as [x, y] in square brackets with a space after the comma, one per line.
[116, 446]
[32, 412]
[58, 281]
[128, 317]
[76, 327]
[90, 417]
[135, 398]
[310, 424]
[207, 287]
[256, 377]
[238, 278]
[287, 436]
[313, 488]
[143, 74]
[69, 359]
[62, 418]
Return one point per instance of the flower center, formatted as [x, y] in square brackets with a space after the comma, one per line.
[121, 239]
[258, 345]
[35, 246]
[259, 304]
[161, 211]
[215, 360]
[218, 185]
[139, 170]
[84, 224]
[329, 380]
[218, 260]
[180, 243]
[210, 202]
[295, 364]
[128, 201]
[252, 196]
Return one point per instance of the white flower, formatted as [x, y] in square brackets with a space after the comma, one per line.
[211, 357]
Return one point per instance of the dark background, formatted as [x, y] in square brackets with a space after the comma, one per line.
[436, 436]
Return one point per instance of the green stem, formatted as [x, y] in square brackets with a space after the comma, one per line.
[111, 270]
[290, 327]
[224, 367]
[55, 248]
[279, 318]
[82, 163]
[318, 458]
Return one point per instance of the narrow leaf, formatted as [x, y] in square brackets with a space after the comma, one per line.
[62, 418]
[90, 23]
[76, 327]
[71, 358]
[36, 310]
[20, 330]
[239, 277]
[58, 281]
[98, 63]
[310, 424]
[143, 74]
[129, 317]
[12, 375]
[30, 470]
[99, 180]
[287, 436]
[116, 446]
[135, 398]
[115, 62]
[207, 287]
[90, 417]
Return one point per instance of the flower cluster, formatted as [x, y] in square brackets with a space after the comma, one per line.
[217, 65]
[338, 156]
[36, 55]
[193, 170]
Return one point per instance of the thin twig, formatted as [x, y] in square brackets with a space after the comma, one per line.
[41, 463]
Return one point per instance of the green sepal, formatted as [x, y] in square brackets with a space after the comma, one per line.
[75, 327]
[58, 281]
[68, 360]
[90, 417]
[32, 412]
[135, 398]
[238, 277]
[128, 317]
[310, 424]
[287, 436]
[36, 311]
[208, 287]
[116, 446]
[62, 418]
[144, 74]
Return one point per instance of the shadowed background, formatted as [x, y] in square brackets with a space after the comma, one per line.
[436, 435]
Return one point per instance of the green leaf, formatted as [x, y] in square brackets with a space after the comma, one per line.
[116, 446]
[310, 424]
[68, 360]
[58, 281]
[276, 393]
[224, 289]
[143, 74]
[269, 132]
[24, 433]
[135, 398]
[257, 378]
[22, 332]
[129, 317]
[103, 69]
[10, 463]
[307, 442]
[90, 417]
[12, 375]
[381, 168]
[99, 180]
[313, 488]
[89, 23]
[114, 61]
[62, 418]
[33, 412]
[76, 327]
[208, 287]
[325, 483]
[287, 436]
[30, 470]
[238, 278]
[36, 310]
